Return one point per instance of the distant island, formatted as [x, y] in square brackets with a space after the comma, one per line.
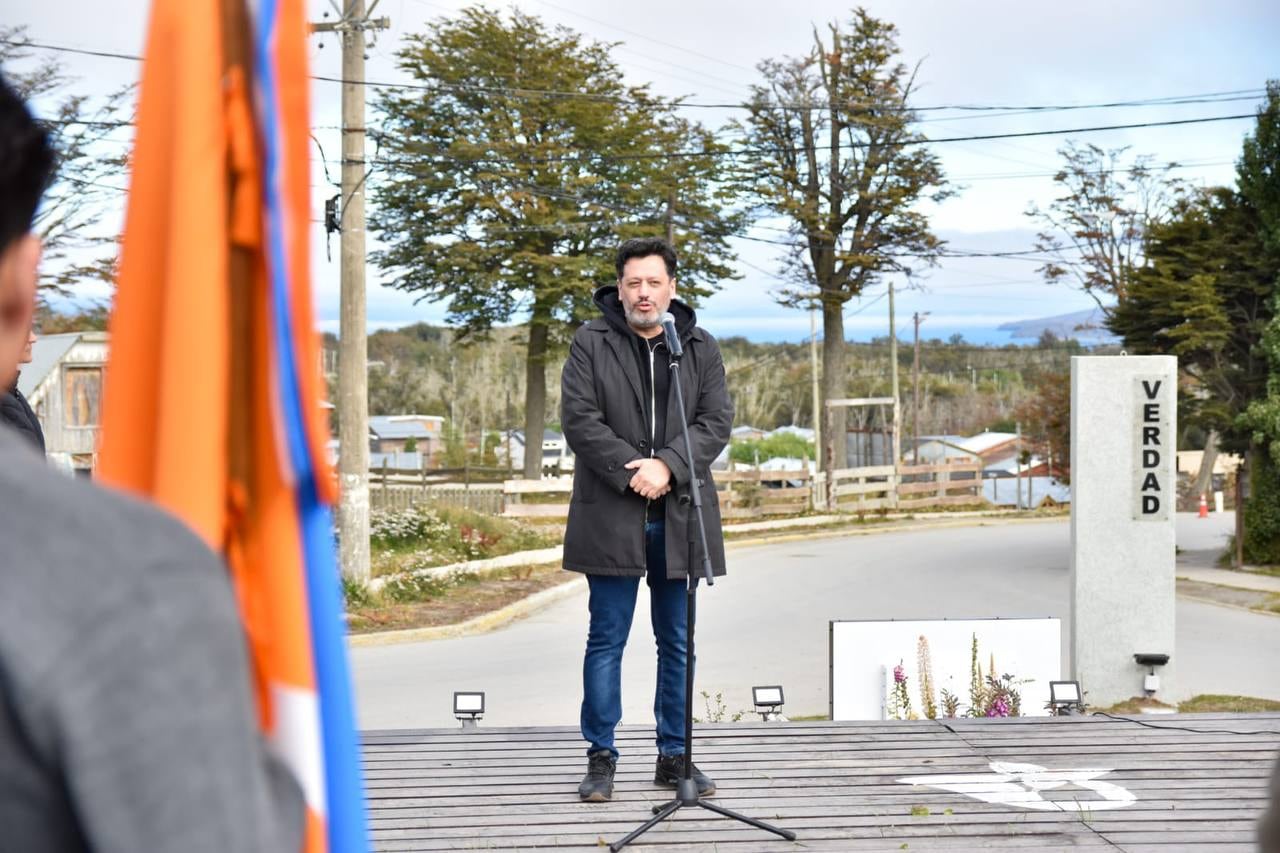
[1087, 327]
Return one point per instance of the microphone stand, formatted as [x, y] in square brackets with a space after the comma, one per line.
[686, 788]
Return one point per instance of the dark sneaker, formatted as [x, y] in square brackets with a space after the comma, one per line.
[670, 770]
[597, 785]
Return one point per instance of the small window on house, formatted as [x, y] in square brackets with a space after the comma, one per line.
[81, 396]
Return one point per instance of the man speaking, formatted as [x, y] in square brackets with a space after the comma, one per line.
[620, 417]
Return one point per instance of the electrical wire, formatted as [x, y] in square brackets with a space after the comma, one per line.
[1169, 100]
[911, 140]
[1182, 728]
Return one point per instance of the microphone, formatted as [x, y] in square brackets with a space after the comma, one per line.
[673, 338]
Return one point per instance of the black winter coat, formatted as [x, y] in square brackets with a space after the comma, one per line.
[16, 412]
[603, 415]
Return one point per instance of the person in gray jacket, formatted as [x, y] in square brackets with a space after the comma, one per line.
[619, 416]
[126, 720]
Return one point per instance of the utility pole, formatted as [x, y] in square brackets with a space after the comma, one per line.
[893, 366]
[353, 356]
[1017, 460]
[915, 383]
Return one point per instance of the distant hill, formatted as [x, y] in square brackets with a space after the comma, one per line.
[1088, 327]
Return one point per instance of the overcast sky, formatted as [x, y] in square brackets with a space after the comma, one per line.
[1014, 53]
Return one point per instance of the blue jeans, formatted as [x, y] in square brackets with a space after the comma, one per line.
[612, 604]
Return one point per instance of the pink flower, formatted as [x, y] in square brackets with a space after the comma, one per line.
[899, 674]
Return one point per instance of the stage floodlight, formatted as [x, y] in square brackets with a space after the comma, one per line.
[1065, 697]
[768, 700]
[468, 707]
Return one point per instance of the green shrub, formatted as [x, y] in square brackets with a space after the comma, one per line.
[431, 536]
[355, 594]
[1262, 513]
[780, 445]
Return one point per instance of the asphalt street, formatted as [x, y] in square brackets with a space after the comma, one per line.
[767, 622]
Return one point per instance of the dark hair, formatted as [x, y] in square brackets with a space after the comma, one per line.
[643, 247]
[26, 166]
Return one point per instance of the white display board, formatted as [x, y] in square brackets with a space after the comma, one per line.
[864, 654]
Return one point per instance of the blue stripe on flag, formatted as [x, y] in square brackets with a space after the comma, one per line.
[346, 821]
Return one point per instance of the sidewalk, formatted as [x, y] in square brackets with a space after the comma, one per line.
[1201, 542]
[1229, 577]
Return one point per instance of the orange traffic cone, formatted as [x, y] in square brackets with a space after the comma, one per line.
[1204, 507]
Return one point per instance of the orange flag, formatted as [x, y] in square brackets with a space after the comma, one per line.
[212, 402]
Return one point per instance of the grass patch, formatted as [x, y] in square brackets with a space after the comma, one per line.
[432, 601]
[1208, 703]
[1136, 705]
[423, 537]
[1212, 703]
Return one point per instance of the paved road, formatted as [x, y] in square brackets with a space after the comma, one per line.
[767, 623]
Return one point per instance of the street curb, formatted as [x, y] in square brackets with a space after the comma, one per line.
[1200, 600]
[519, 609]
[481, 624]
[828, 533]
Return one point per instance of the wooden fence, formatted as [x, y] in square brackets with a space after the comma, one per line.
[548, 498]
[744, 493]
[478, 489]
[952, 482]
[752, 493]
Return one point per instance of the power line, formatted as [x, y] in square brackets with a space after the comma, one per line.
[732, 152]
[1169, 100]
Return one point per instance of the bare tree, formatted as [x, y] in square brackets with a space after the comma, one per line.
[836, 155]
[1094, 233]
[86, 133]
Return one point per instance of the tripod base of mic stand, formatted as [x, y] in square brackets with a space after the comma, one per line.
[687, 797]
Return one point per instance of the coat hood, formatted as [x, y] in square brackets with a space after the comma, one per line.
[610, 305]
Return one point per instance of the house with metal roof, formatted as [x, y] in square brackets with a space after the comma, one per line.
[557, 458]
[394, 436]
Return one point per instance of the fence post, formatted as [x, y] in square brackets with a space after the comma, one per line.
[728, 487]
[466, 484]
[384, 482]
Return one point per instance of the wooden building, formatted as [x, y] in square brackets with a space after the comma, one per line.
[63, 384]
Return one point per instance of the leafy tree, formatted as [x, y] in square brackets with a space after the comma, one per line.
[1095, 231]
[1207, 295]
[1204, 295]
[90, 169]
[1046, 420]
[781, 445]
[1258, 176]
[509, 177]
[836, 155]
[91, 319]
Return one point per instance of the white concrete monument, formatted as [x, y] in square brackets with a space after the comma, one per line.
[1123, 493]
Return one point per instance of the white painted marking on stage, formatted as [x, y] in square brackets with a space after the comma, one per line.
[1014, 784]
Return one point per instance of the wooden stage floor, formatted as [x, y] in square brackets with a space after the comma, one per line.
[1030, 783]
